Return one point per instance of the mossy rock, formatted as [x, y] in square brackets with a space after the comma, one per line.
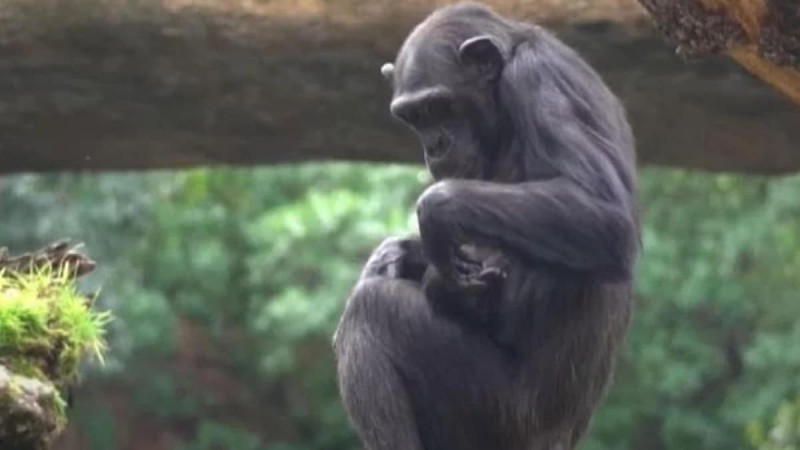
[31, 412]
[46, 328]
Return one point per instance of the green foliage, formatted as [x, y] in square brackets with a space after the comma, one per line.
[212, 436]
[258, 261]
[238, 276]
[783, 433]
[711, 345]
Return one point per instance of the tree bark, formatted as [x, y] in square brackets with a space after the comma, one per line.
[58, 256]
[761, 35]
[146, 84]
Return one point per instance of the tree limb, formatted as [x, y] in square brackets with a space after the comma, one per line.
[761, 35]
[131, 85]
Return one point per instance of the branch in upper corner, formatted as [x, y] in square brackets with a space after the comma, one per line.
[763, 36]
[779, 40]
[695, 29]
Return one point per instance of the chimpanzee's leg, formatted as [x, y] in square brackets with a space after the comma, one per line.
[372, 391]
[411, 379]
[396, 257]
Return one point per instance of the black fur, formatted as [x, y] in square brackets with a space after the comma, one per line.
[496, 328]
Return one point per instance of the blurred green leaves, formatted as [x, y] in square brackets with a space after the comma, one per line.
[780, 433]
[238, 277]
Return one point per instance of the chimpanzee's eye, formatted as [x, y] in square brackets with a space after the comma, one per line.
[429, 111]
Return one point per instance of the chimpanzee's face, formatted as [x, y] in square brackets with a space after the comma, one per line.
[445, 92]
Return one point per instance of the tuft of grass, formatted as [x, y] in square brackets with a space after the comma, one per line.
[46, 326]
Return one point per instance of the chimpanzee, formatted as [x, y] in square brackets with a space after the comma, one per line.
[497, 327]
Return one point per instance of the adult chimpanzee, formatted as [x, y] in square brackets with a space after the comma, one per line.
[498, 327]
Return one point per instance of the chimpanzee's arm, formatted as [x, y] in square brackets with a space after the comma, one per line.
[554, 222]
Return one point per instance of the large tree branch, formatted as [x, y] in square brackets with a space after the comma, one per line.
[761, 35]
[123, 84]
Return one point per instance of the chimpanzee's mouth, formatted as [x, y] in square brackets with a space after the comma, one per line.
[436, 152]
[438, 147]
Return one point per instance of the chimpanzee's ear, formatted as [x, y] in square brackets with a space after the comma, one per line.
[482, 52]
[387, 70]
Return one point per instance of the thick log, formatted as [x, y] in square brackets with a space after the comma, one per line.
[144, 84]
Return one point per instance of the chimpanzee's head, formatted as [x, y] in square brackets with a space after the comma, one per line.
[445, 81]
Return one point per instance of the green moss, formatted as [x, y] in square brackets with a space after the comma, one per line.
[47, 326]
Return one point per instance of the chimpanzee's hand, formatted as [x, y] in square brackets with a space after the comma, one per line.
[474, 270]
[397, 257]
